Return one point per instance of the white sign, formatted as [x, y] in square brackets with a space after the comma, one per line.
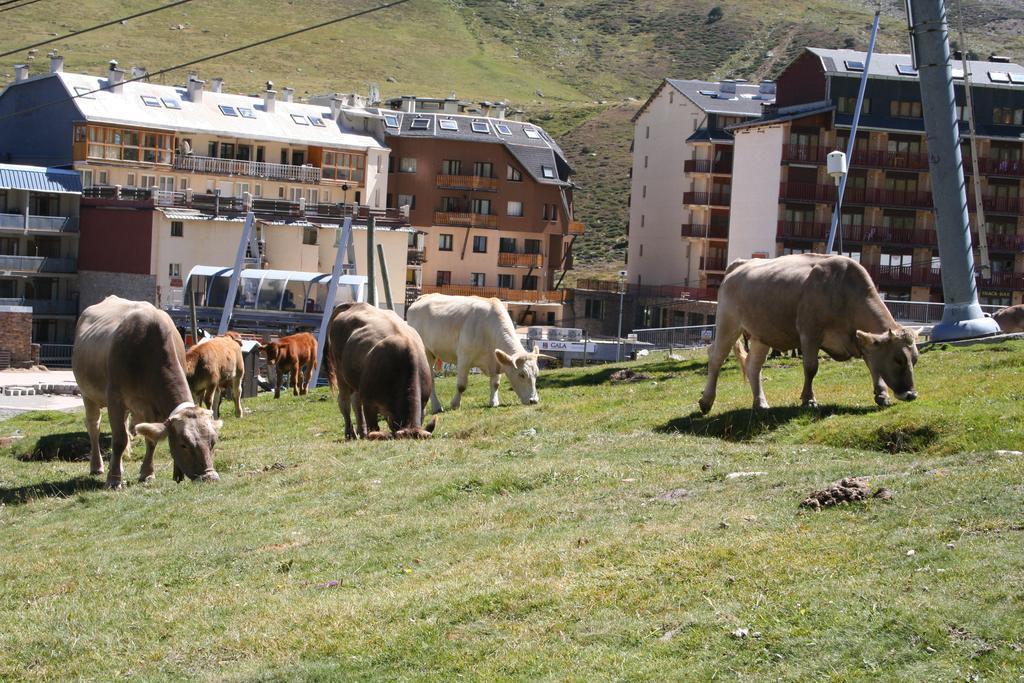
[572, 347]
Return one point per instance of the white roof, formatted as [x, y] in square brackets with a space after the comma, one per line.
[290, 275]
[205, 117]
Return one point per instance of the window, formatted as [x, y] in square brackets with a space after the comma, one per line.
[530, 282]
[298, 157]
[478, 279]
[647, 133]
[317, 121]
[450, 204]
[514, 174]
[594, 309]
[390, 121]
[407, 200]
[147, 181]
[551, 212]
[129, 180]
[343, 166]
[246, 113]
[84, 93]
[480, 127]
[309, 235]
[503, 129]
[183, 184]
[998, 76]
[444, 242]
[171, 102]
[407, 165]
[299, 119]
[150, 101]
[786, 251]
[848, 105]
[125, 144]
[481, 206]
[177, 229]
[479, 244]
[643, 192]
[506, 281]
[294, 194]
[507, 245]
[174, 270]
[896, 260]
[531, 132]
[1008, 116]
[854, 65]
[906, 70]
[515, 209]
[531, 246]
[312, 196]
[451, 167]
[166, 183]
[227, 111]
[447, 124]
[444, 277]
[102, 177]
[483, 169]
[905, 109]
[547, 171]
[420, 123]
[86, 179]
[257, 191]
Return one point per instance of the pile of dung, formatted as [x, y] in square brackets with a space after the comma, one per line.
[846, 490]
[628, 375]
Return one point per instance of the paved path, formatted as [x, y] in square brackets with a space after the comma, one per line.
[12, 405]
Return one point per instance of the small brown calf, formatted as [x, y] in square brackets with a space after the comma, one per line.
[296, 354]
[214, 366]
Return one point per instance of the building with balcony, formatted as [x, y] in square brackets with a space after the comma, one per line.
[784, 198]
[39, 210]
[492, 200]
[681, 189]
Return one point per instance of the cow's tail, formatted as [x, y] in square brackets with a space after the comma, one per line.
[329, 370]
[741, 357]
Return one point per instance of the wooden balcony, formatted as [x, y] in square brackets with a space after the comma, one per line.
[250, 169]
[511, 260]
[577, 228]
[509, 295]
[703, 230]
[467, 182]
[468, 220]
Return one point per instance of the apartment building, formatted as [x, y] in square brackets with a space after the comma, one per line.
[492, 199]
[784, 199]
[170, 171]
[39, 247]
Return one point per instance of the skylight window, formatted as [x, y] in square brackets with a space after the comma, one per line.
[547, 171]
[171, 103]
[503, 129]
[708, 93]
[246, 113]
[448, 124]
[150, 101]
[480, 127]
[227, 110]
[906, 70]
[854, 65]
[531, 133]
[300, 119]
[998, 76]
[317, 121]
[420, 124]
[84, 93]
[1017, 79]
[391, 121]
[958, 72]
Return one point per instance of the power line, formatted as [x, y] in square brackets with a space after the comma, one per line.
[176, 67]
[91, 28]
[8, 9]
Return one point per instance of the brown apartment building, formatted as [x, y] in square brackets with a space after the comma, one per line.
[492, 199]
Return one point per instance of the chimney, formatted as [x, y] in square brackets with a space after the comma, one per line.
[138, 73]
[56, 62]
[216, 84]
[269, 97]
[195, 89]
[408, 104]
[766, 88]
[20, 72]
[500, 109]
[115, 77]
[336, 104]
[727, 87]
[998, 59]
[287, 93]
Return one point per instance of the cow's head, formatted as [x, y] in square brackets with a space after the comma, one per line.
[192, 434]
[231, 334]
[890, 357]
[522, 370]
[271, 349]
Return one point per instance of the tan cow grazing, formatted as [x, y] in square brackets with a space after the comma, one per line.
[379, 367]
[213, 365]
[129, 358]
[809, 302]
[1010, 319]
[472, 331]
[295, 354]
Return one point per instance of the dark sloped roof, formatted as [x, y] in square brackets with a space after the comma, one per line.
[712, 135]
[786, 114]
[39, 179]
[746, 101]
[884, 65]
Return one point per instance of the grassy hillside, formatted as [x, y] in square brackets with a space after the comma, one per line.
[595, 536]
[552, 58]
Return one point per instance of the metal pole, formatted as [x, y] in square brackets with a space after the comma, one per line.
[192, 305]
[586, 343]
[332, 291]
[371, 280]
[384, 278]
[236, 274]
[962, 317]
[618, 346]
[837, 213]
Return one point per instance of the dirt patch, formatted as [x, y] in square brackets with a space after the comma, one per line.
[672, 495]
[846, 490]
[909, 439]
[627, 375]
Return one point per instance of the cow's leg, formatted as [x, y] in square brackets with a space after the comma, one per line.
[92, 425]
[213, 397]
[755, 360]
[461, 381]
[727, 332]
[146, 472]
[307, 375]
[236, 393]
[277, 381]
[357, 407]
[495, 380]
[809, 348]
[119, 442]
[296, 378]
[345, 406]
[435, 402]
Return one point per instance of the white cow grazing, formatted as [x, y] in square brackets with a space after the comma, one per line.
[471, 331]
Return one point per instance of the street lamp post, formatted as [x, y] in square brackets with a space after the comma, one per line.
[622, 297]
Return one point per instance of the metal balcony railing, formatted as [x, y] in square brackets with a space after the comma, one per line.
[707, 198]
[513, 295]
[713, 231]
[253, 169]
[649, 291]
[416, 257]
[38, 264]
[18, 221]
[43, 307]
[707, 166]
[713, 263]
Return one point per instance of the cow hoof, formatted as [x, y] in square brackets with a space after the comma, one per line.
[114, 484]
[760, 405]
[96, 472]
[350, 436]
[883, 401]
[147, 479]
[705, 406]
[810, 403]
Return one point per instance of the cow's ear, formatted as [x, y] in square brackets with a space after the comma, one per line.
[152, 431]
[502, 357]
[866, 339]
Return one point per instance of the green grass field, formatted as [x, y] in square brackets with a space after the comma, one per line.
[537, 542]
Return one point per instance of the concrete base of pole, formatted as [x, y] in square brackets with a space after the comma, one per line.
[963, 321]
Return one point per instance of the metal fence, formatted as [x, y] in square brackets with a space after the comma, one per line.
[923, 312]
[55, 355]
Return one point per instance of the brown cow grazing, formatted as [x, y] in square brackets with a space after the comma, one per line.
[1010, 319]
[296, 354]
[378, 364]
[809, 302]
[129, 357]
[214, 365]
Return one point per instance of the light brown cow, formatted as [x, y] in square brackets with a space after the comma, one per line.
[809, 302]
[378, 364]
[214, 365]
[295, 354]
[1010, 319]
[129, 358]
